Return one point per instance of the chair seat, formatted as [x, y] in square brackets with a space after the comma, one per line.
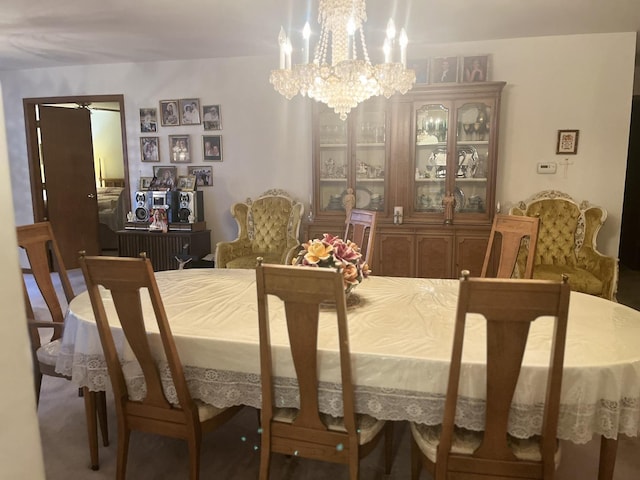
[207, 411]
[249, 261]
[48, 353]
[465, 442]
[580, 280]
[367, 426]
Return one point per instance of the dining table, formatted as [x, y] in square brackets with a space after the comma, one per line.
[400, 337]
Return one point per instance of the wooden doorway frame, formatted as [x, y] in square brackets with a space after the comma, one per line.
[33, 147]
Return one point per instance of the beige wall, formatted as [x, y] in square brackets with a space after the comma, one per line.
[20, 452]
[553, 83]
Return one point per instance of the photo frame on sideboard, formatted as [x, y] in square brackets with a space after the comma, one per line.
[443, 70]
[203, 174]
[475, 69]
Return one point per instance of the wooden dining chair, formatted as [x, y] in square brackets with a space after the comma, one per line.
[361, 229]
[45, 262]
[512, 232]
[509, 308]
[306, 432]
[188, 419]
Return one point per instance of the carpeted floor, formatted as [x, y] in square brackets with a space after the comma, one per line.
[232, 452]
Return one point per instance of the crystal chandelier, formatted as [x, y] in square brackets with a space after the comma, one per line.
[340, 78]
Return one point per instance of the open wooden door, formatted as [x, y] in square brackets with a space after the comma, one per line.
[70, 204]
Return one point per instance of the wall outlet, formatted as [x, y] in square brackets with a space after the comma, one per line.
[547, 167]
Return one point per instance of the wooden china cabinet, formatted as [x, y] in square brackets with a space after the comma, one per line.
[430, 154]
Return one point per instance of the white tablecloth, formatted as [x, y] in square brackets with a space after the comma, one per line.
[400, 332]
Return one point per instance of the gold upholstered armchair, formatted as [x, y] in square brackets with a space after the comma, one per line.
[567, 243]
[268, 227]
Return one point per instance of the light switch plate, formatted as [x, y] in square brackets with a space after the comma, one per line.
[547, 167]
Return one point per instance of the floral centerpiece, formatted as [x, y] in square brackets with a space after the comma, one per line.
[334, 252]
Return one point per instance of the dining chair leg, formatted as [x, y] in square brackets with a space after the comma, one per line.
[416, 461]
[123, 451]
[101, 402]
[92, 426]
[194, 457]
[388, 447]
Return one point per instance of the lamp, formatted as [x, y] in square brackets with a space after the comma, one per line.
[341, 79]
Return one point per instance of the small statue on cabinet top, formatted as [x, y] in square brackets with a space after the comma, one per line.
[348, 202]
[448, 203]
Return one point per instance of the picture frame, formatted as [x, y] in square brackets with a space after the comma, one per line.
[169, 113]
[475, 69]
[145, 183]
[421, 67]
[164, 178]
[203, 174]
[148, 120]
[567, 142]
[150, 149]
[443, 70]
[212, 117]
[187, 183]
[212, 148]
[179, 149]
[190, 111]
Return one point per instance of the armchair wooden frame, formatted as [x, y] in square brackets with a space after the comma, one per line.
[125, 278]
[306, 432]
[513, 231]
[362, 226]
[44, 257]
[509, 307]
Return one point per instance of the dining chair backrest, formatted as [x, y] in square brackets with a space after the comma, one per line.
[307, 433]
[132, 288]
[45, 262]
[361, 229]
[511, 232]
[509, 308]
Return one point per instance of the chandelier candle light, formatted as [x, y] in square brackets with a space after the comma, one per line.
[340, 78]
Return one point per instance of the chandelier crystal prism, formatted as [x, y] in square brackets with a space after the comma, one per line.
[341, 74]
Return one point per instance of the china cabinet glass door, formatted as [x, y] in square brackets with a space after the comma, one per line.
[351, 158]
[472, 147]
[431, 138]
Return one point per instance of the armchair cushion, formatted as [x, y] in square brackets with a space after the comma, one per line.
[567, 243]
[268, 227]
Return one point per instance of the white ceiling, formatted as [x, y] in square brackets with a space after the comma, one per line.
[45, 33]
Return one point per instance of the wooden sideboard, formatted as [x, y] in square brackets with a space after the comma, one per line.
[161, 248]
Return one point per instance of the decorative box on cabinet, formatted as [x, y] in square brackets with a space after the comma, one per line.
[161, 248]
[440, 164]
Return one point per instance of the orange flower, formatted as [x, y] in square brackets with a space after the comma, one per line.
[317, 251]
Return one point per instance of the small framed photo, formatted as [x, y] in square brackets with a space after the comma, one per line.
[148, 120]
[164, 178]
[180, 148]
[204, 175]
[190, 111]
[212, 117]
[443, 70]
[421, 67]
[187, 183]
[169, 113]
[149, 149]
[567, 142]
[145, 183]
[475, 69]
[212, 147]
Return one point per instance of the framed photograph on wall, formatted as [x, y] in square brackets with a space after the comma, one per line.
[421, 67]
[169, 113]
[475, 69]
[567, 142]
[150, 149]
[179, 149]
[148, 120]
[204, 175]
[212, 117]
[145, 183]
[165, 177]
[190, 111]
[212, 147]
[443, 70]
[187, 183]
